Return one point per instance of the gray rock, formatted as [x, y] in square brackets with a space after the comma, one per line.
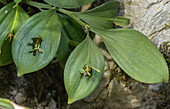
[14, 92]
[20, 98]
[151, 17]
[52, 104]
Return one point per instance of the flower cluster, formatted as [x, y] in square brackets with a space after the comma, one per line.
[37, 44]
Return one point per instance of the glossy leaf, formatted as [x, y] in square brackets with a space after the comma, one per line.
[121, 21]
[72, 34]
[38, 4]
[45, 26]
[72, 29]
[6, 55]
[10, 21]
[135, 54]
[63, 50]
[17, 1]
[68, 3]
[77, 85]
[101, 16]
[7, 104]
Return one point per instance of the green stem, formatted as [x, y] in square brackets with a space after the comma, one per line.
[69, 13]
[93, 67]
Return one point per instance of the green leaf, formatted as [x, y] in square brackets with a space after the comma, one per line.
[68, 3]
[10, 21]
[135, 54]
[72, 34]
[72, 29]
[17, 1]
[37, 4]
[63, 50]
[121, 21]
[7, 104]
[6, 55]
[3, 1]
[41, 29]
[77, 85]
[101, 16]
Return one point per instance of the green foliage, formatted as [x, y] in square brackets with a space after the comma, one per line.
[58, 31]
[71, 34]
[6, 56]
[135, 54]
[17, 1]
[44, 24]
[11, 19]
[121, 21]
[101, 16]
[78, 85]
[63, 50]
[37, 5]
[7, 104]
[68, 3]
[72, 29]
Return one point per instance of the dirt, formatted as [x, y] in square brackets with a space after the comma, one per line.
[43, 89]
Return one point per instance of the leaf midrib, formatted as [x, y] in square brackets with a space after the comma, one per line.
[128, 54]
[47, 24]
[100, 18]
[15, 20]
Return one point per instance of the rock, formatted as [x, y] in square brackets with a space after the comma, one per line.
[151, 17]
[47, 108]
[14, 92]
[40, 107]
[20, 98]
[52, 104]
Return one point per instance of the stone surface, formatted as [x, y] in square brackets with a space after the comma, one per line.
[20, 98]
[151, 17]
[52, 104]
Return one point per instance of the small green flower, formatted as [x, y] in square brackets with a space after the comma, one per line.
[37, 44]
[86, 71]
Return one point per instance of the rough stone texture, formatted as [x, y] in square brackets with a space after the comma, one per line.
[118, 91]
[151, 17]
[20, 98]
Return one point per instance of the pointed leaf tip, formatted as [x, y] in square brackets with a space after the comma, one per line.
[19, 74]
[69, 101]
[80, 84]
[135, 54]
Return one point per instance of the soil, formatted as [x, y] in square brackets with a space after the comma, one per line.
[43, 89]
